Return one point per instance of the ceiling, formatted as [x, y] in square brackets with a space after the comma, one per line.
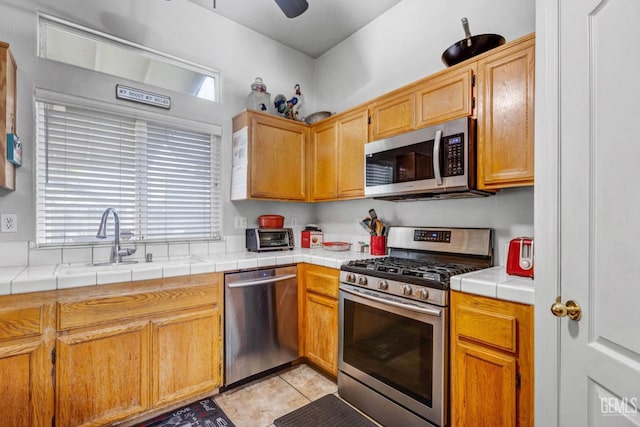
[325, 23]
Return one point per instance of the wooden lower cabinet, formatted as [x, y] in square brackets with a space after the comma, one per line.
[319, 318]
[106, 354]
[26, 383]
[491, 362]
[102, 375]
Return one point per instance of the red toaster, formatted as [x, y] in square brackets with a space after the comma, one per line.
[520, 257]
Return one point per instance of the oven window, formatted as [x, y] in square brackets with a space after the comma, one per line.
[394, 349]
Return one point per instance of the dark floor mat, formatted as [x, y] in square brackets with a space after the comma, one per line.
[203, 413]
[328, 411]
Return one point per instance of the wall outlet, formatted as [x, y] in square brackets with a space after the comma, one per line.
[8, 223]
[239, 222]
[294, 222]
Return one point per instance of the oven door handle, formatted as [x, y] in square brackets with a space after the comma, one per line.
[245, 283]
[422, 310]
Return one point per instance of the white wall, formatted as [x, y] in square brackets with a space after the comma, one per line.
[178, 28]
[406, 43]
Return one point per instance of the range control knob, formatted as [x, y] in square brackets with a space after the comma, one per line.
[423, 293]
[351, 278]
[383, 284]
[362, 281]
[406, 289]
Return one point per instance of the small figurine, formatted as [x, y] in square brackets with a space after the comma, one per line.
[289, 108]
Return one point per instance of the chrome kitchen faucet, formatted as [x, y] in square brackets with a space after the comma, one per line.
[116, 252]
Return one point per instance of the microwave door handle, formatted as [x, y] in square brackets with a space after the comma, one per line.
[436, 157]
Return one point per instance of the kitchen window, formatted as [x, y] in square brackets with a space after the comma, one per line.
[162, 178]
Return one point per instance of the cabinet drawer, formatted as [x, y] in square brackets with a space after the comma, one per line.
[322, 280]
[103, 309]
[494, 329]
[19, 323]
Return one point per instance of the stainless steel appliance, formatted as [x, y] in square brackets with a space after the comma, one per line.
[269, 239]
[261, 321]
[433, 162]
[394, 323]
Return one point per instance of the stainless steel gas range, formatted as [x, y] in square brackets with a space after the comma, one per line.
[394, 323]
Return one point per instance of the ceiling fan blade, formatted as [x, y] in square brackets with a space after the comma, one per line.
[292, 8]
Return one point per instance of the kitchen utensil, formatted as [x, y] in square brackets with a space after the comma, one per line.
[366, 224]
[336, 246]
[520, 257]
[470, 46]
[270, 221]
[372, 214]
[317, 116]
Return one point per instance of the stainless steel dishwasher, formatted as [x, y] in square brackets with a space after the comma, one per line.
[261, 321]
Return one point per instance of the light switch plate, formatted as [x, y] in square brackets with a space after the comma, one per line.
[8, 223]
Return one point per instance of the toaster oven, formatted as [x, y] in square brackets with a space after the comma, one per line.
[269, 239]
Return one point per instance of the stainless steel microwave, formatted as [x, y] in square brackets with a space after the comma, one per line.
[433, 162]
[269, 239]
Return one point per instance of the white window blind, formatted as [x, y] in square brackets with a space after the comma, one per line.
[162, 180]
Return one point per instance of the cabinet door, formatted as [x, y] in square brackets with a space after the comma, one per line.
[446, 97]
[484, 387]
[393, 114]
[277, 150]
[186, 356]
[22, 389]
[505, 117]
[352, 135]
[7, 113]
[102, 376]
[26, 386]
[324, 179]
[322, 332]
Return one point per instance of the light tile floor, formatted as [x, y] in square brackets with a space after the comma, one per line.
[259, 403]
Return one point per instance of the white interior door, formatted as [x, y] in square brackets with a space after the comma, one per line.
[599, 84]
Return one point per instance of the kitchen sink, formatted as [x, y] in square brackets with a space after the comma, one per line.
[107, 266]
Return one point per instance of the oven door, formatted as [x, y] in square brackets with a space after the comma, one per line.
[397, 349]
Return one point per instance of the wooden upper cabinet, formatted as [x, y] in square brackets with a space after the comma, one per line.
[337, 156]
[506, 116]
[392, 114]
[324, 158]
[8, 98]
[276, 162]
[446, 96]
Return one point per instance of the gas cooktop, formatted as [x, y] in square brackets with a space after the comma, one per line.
[428, 256]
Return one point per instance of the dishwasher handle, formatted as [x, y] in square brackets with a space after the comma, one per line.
[257, 282]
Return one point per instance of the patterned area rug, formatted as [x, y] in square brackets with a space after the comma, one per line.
[204, 413]
[328, 411]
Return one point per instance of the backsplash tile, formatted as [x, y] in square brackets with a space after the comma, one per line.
[178, 250]
[158, 250]
[14, 253]
[198, 248]
[45, 256]
[75, 255]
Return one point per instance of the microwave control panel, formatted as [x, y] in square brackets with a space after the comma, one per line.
[454, 155]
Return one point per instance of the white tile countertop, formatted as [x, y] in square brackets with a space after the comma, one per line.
[494, 282]
[24, 279]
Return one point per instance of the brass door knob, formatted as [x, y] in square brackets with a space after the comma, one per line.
[571, 309]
